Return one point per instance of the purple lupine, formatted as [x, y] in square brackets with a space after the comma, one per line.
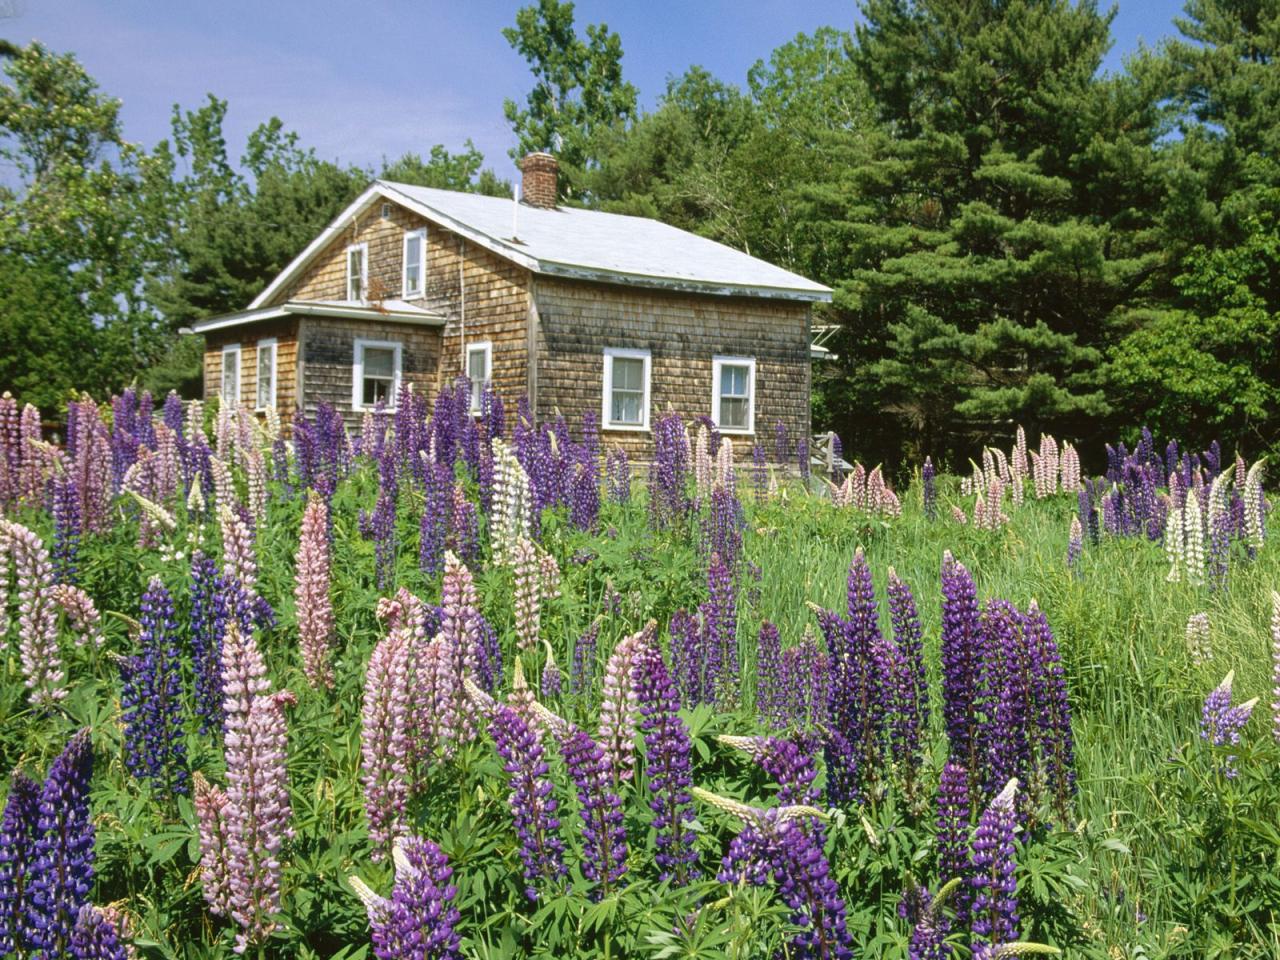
[488, 654]
[552, 679]
[604, 837]
[806, 678]
[618, 472]
[1052, 722]
[66, 529]
[929, 928]
[533, 808]
[491, 410]
[464, 526]
[582, 672]
[668, 498]
[907, 635]
[953, 815]
[721, 641]
[791, 767]
[781, 449]
[667, 764]
[95, 937]
[155, 747]
[929, 490]
[584, 498]
[417, 921]
[770, 693]
[1002, 746]
[1221, 722]
[687, 658]
[1075, 543]
[961, 656]
[802, 459]
[204, 634]
[61, 872]
[18, 834]
[433, 529]
[722, 528]
[993, 915]
[806, 886]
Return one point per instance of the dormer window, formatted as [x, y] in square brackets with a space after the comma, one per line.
[357, 271]
[415, 263]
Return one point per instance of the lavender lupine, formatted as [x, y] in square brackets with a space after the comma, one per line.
[37, 618]
[722, 528]
[208, 620]
[604, 837]
[155, 743]
[254, 821]
[433, 528]
[582, 673]
[721, 626]
[1075, 543]
[1221, 722]
[66, 529]
[311, 594]
[95, 937]
[61, 872]
[464, 526]
[929, 489]
[667, 766]
[18, 834]
[533, 807]
[552, 678]
[417, 921]
[1052, 721]
[994, 914]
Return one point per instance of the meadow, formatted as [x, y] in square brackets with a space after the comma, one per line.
[445, 686]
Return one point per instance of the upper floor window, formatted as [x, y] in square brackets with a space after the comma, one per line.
[479, 371]
[357, 271]
[375, 375]
[733, 389]
[626, 389]
[230, 393]
[415, 263]
[266, 374]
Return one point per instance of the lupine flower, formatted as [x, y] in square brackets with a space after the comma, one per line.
[528, 593]
[80, 613]
[552, 678]
[155, 746]
[1197, 634]
[667, 763]
[929, 490]
[994, 915]
[384, 739]
[1275, 665]
[211, 815]
[66, 529]
[1056, 745]
[18, 834]
[1221, 722]
[907, 635]
[464, 526]
[208, 620]
[61, 873]
[770, 693]
[417, 921]
[37, 617]
[929, 927]
[255, 818]
[461, 653]
[961, 648]
[532, 805]
[238, 561]
[721, 628]
[582, 673]
[619, 707]
[953, 822]
[789, 765]
[1075, 543]
[604, 838]
[94, 937]
[311, 593]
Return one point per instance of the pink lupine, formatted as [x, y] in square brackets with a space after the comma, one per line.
[528, 594]
[958, 515]
[255, 471]
[81, 613]
[1070, 469]
[211, 812]
[384, 740]
[620, 707]
[311, 592]
[255, 820]
[859, 488]
[459, 632]
[10, 451]
[1275, 665]
[238, 561]
[702, 466]
[37, 616]
[31, 470]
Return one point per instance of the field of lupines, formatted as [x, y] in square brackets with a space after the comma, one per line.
[448, 687]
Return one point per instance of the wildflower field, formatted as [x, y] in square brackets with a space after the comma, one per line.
[440, 686]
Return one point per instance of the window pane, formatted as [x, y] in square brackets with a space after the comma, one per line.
[627, 407]
[379, 362]
[230, 377]
[628, 373]
[476, 366]
[355, 267]
[412, 261]
[733, 412]
[266, 373]
[375, 389]
[733, 381]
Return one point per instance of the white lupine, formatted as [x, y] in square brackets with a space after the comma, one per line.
[1002, 466]
[1275, 665]
[989, 471]
[512, 503]
[724, 464]
[1037, 475]
[195, 420]
[1255, 531]
[702, 467]
[224, 491]
[1174, 543]
[1019, 460]
[1070, 468]
[256, 476]
[1198, 642]
[1193, 541]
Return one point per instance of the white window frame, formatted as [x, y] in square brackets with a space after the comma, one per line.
[267, 344]
[421, 234]
[606, 396]
[719, 363]
[364, 271]
[227, 351]
[357, 371]
[485, 347]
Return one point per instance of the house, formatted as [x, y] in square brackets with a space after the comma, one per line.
[576, 309]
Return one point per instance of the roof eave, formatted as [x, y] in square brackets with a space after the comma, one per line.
[318, 308]
[816, 294]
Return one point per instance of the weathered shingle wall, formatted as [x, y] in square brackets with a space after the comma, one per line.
[285, 331]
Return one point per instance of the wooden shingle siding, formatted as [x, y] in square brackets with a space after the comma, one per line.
[577, 320]
[285, 332]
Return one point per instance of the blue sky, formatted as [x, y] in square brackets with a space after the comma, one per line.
[366, 78]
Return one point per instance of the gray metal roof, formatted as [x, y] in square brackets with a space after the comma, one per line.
[589, 244]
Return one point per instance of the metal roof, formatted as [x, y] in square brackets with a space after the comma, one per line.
[580, 244]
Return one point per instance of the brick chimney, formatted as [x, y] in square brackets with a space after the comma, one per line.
[539, 173]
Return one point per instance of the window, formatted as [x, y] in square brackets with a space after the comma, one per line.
[375, 374]
[626, 389]
[230, 394]
[266, 374]
[479, 371]
[415, 263]
[357, 271]
[733, 389]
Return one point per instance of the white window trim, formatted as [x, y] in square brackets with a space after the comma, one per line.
[268, 344]
[364, 271]
[606, 407]
[485, 347]
[357, 372]
[228, 350]
[717, 364]
[405, 292]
